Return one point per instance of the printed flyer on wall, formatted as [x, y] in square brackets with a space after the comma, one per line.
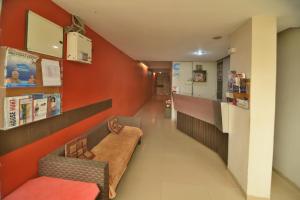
[25, 106]
[11, 105]
[39, 106]
[20, 69]
[51, 72]
[53, 105]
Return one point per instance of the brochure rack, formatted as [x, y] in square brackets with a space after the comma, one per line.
[23, 90]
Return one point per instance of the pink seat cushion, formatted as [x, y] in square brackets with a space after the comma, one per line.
[54, 189]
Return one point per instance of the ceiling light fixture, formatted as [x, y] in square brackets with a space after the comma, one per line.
[217, 37]
[199, 52]
[143, 65]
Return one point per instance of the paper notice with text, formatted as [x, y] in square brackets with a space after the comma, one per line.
[51, 73]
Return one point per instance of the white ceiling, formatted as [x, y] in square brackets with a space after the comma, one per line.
[170, 30]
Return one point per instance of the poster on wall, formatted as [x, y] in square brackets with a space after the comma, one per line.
[199, 76]
[51, 72]
[53, 105]
[176, 70]
[20, 69]
[175, 77]
[231, 80]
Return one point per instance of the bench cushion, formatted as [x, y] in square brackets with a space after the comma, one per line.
[117, 150]
[55, 189]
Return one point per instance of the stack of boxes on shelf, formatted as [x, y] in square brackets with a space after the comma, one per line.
[238, 89]
[29, 88]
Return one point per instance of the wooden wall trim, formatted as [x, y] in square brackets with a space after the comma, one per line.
[205, 133]
[13, 139]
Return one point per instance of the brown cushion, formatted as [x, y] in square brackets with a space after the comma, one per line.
[77, 148]
[87, 155]
[114, 126]
[117, 149]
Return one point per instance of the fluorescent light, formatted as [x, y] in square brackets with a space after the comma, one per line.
[199, 52]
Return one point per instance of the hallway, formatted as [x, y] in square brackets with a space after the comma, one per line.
[169, 165]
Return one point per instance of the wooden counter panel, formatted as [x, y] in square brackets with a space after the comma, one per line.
[206, 110]
[205, 133]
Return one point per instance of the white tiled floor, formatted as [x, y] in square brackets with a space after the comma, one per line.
[169, 165]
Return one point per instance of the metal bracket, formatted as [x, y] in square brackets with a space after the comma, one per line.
[77, 26]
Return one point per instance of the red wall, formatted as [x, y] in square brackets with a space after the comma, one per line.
[112, 75]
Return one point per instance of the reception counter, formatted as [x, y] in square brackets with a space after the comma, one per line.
[202, 120]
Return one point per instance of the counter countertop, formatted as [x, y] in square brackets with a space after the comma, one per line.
[207, 110]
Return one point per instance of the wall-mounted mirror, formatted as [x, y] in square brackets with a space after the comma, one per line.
[1, 8]
[44, 36]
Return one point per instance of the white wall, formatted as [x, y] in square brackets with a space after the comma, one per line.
[207, 89]
[251, 133]
[239, 119]
[238, 146]
[184, 80]
[287, 128]
[241, 40]
[262, 105]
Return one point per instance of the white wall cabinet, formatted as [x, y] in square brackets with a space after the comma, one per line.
[79, 48]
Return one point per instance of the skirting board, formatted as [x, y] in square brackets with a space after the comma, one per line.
[286, 178]
[256, 198]
[238, 184]
[249, 197]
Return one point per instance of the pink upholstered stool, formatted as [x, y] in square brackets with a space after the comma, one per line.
[47, 188]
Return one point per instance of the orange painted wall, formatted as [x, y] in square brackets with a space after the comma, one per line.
[113, 74]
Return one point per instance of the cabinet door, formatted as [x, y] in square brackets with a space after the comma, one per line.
[220, 80]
